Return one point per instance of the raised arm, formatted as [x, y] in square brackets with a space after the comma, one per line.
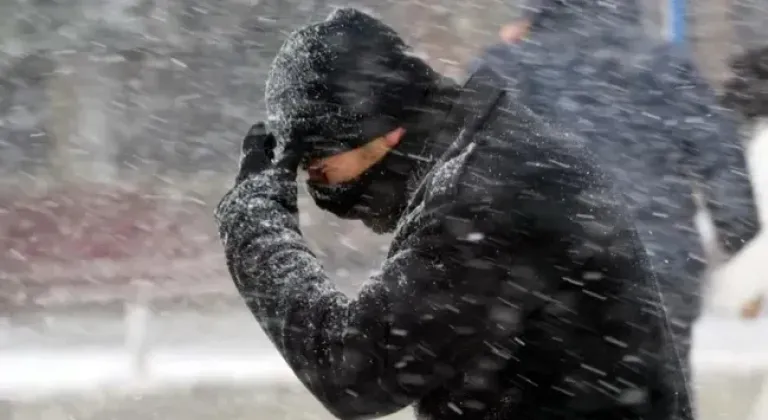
[411, 327]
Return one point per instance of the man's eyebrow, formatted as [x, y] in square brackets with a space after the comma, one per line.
[316, 164]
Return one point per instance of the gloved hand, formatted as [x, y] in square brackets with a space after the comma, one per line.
[264, 196]
[261, 151]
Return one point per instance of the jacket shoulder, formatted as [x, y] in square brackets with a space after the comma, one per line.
[517, 162]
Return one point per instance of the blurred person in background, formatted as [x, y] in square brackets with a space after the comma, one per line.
[741, 287]
[515, 286]
[515, 31]
[590, 67]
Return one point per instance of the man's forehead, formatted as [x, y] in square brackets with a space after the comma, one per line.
[319, 147]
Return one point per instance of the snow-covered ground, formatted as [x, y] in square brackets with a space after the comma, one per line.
[74, 353]
[55, 361]
[200, 364]
[28, 372]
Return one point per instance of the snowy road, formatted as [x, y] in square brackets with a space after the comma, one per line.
[232, 326]
[725, 399]
[220, 362]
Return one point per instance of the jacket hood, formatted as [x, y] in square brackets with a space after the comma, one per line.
[600, 13]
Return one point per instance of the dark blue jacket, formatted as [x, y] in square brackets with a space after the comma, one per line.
[590, 68]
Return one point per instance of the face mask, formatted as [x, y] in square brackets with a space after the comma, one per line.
[378, 197]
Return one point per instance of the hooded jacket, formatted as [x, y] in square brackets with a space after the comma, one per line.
[515, 286]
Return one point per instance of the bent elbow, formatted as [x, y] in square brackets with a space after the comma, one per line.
[347, 404]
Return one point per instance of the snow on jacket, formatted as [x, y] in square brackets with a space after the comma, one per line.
[515, 287]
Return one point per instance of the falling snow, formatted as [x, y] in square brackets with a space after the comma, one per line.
[120, 131]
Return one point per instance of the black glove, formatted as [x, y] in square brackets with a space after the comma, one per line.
[260, 151]
[270, 166]
[257, 152]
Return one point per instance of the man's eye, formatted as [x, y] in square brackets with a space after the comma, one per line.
[317, 173]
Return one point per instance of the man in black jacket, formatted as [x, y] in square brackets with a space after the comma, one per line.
[515, 286]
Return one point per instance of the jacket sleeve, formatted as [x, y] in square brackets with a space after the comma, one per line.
[411, 327]
[716, 156]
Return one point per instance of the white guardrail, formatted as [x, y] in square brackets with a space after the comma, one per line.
[32, 374]
[720, 345]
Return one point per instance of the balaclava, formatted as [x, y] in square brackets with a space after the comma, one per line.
[338, 84]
